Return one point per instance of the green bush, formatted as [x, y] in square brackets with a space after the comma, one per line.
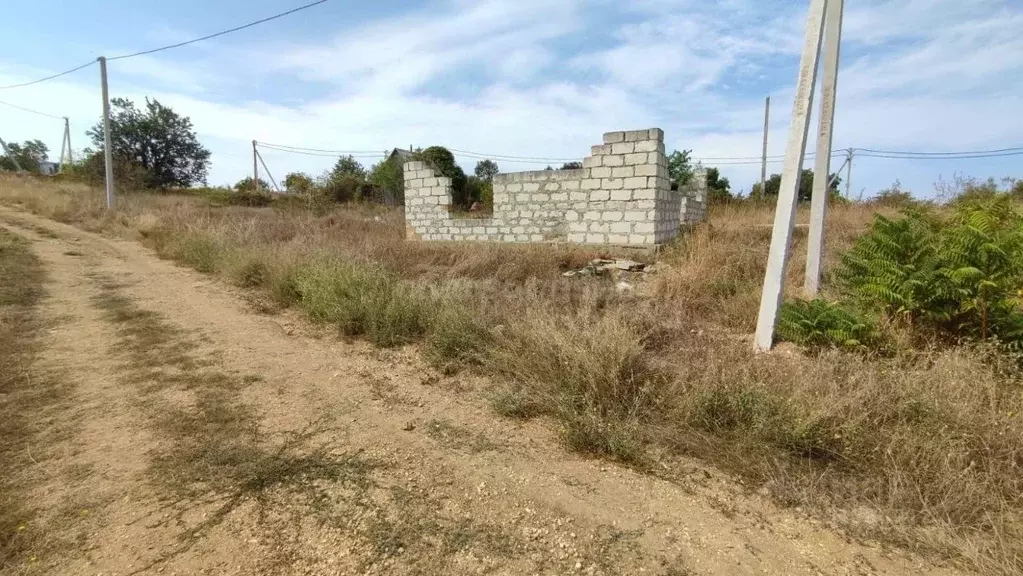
[820, 324]
[960, 276]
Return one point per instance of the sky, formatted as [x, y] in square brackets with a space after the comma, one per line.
[530, 78]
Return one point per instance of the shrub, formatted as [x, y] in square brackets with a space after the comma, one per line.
[818, 323]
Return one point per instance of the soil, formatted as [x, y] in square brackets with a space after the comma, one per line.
[214, 439]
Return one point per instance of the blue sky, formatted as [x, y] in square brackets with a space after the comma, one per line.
[538, 78]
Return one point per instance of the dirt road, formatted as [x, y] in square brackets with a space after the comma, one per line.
[210, 439]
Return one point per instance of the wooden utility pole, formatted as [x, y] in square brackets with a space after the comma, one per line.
[785, 213]
[822, 163]
[108, 152]
[763, 157]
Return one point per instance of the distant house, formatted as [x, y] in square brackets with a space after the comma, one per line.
[48, 168]
[401, 153]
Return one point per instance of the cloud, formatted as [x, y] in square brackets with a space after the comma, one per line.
[545, 79]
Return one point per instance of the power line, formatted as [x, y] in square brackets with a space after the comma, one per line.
[322, 154]
[301, 149]
[940, 154]
[242, 27]
[23, 109]
[962, 157]
[58, 75]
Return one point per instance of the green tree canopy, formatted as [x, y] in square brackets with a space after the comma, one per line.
[486, 170]
[805, 186]
[718, 188]
[348, 166]
[247, 184]
[680, 168]
[297, 182]
[571, 165]
[389, 175]
[29, 155]
[157, 139]
[443, 162]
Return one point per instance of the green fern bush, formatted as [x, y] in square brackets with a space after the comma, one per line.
[821, 324]
[961, 275]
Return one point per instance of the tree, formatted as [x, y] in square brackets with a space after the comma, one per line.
[297, 183]
[680, 168]
[571, 165]
[389, 176]
[718, 188]
[157, 139]
[348, 166]
[486, 170]
[443, 163]
[29, 155]
[773, 184]
[246, 184]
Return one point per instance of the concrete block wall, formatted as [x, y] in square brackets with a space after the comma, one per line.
[693, 207]
[621, 196]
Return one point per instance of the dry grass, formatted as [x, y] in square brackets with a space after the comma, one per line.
[922, 450]
[34, 417]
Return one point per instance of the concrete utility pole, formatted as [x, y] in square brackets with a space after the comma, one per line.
[822, 163]
[17, 167]
[848, 172]
[255, 168]
[763, 161]
[108, 152]
[63, 146]
[785, 213]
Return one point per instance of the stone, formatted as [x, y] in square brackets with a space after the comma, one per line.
[623, 148]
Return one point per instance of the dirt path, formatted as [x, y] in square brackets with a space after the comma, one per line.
[217, 440]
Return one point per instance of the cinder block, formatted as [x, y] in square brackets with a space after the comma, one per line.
[645, 170]
[612, 183]
[621, 195]
[417, 183]
[592, 161]
[579, 238]
[657, 158]
[415, 202]
[602, 172]
[521, 238]
[614, 160]
[611, 216]
[531, 187]
[594, 238]
[634, 216]
[600, 149]
[643, 227]
[570, 185]
[444, 181]
[648, 146]
[623, 172]
[600, 195]
[552, 186]
[516, 187]
[637, 135]
[621, 227]
[591, 184]
[637, 182]
[591, 216]
[644, 193]
[518, 230]
[571, 216]
[540, 197]
[559, 197]
[623, 148]
[602, 227]
[612, 137]
[656, 134]
[617, 239]
[636, 159]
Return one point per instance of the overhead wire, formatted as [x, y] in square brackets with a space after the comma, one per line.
[51, 77]
[221, 33]
[31, 111]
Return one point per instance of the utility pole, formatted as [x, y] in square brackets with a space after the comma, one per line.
[64, 145]
[255, 168]
[848, 172]
[763, 161]
[822, 163]
[785, 213]
[108, 152]
[17, 167]
[70, 155]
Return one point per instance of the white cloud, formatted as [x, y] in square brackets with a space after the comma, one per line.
[918, 74]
